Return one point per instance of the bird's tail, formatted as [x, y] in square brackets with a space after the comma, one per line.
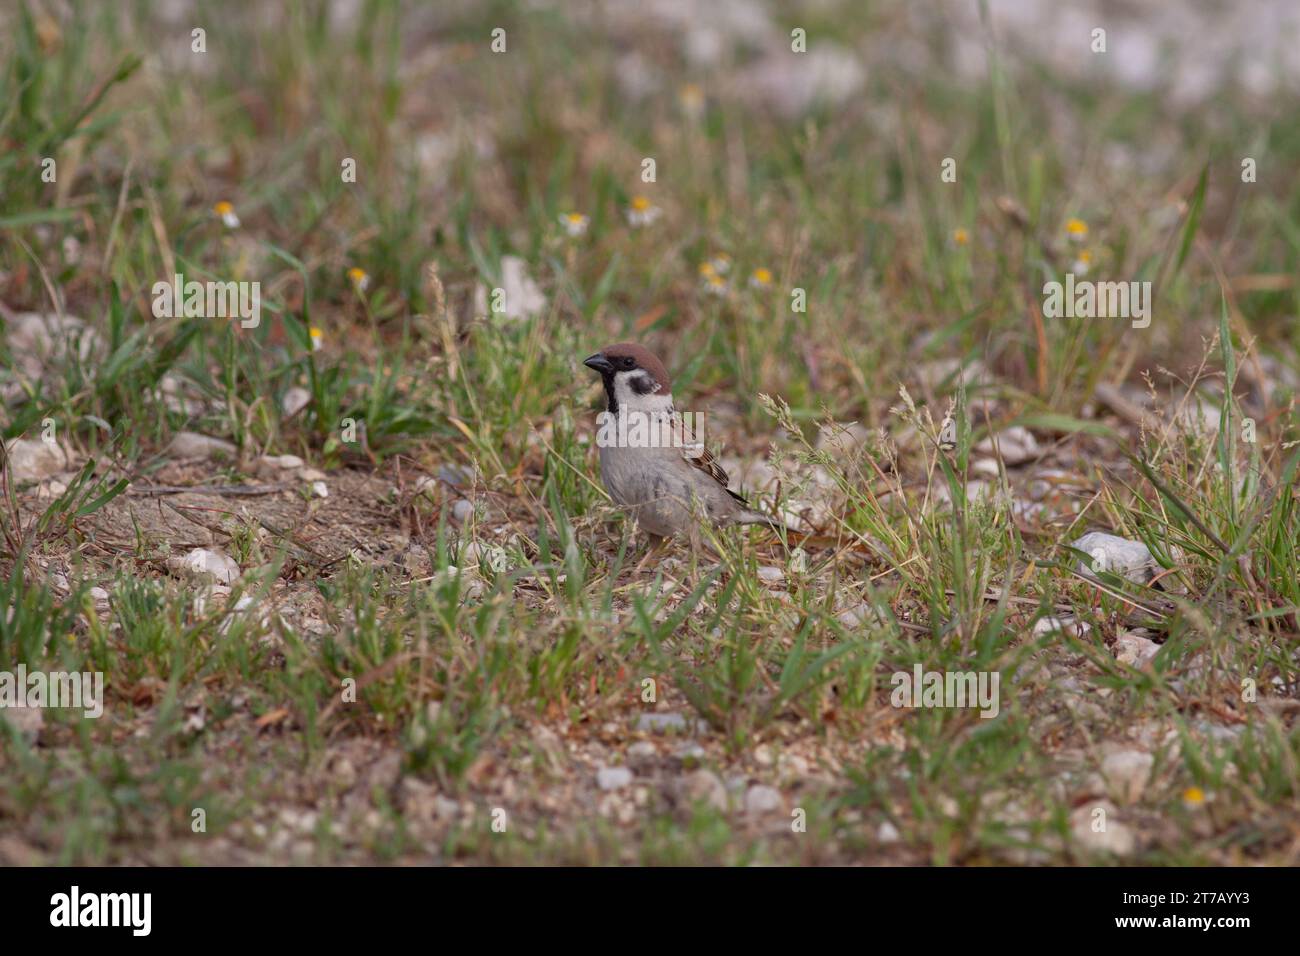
[749, 516]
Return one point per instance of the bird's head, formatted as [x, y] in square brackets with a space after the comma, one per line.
[634, 377]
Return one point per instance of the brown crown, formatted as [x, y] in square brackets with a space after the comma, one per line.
[644, 358]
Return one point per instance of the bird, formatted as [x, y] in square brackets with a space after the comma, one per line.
[652, 461]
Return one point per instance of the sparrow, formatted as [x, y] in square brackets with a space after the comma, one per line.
[651, 461]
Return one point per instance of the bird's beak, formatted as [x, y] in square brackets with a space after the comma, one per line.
[599, 363]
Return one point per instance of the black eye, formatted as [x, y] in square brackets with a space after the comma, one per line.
[628, 363]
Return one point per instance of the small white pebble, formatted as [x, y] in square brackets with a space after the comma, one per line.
[613, 778]
[762, 799]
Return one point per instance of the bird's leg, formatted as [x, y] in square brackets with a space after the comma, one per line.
[705, 554]
[653, 553]
[697, 546]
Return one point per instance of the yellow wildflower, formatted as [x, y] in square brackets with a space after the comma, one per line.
[691, 98]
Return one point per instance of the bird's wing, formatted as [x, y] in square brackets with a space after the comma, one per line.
[702, 458]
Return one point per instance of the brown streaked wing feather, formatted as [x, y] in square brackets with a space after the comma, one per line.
[708, 464]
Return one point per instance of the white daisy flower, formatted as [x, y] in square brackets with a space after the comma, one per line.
[642, 212]
[226, 213]
[574, 223]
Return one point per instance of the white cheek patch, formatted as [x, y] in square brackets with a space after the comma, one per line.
[622, 390]
[628, 397]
